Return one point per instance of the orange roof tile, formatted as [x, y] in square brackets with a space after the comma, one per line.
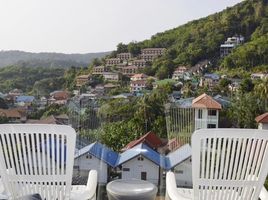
[205, 101]
[262, 118]
[149, 138]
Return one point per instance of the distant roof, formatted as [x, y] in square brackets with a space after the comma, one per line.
[11, 113]
[184, 103]
[176, 157]
[212, 76]
[144, 150]
[150, 138]
[101, 152]
[25, 99]
[205, 101]
[262, 118]
[227, 45]
[224, 101]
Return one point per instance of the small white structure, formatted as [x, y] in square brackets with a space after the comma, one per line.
[206, 112]
[141, 162]
[179, 161]
[98, 157]
[262, 121]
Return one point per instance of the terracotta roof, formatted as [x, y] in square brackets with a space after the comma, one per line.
[11, 113]
[151, 139]
[60, 95]
[205, 101]
[262, 118]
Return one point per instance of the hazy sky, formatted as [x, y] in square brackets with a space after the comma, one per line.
[83, 26]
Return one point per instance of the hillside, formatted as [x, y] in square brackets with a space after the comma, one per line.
[21, 58]
[201, 39]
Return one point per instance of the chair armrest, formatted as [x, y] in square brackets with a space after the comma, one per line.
[92, 182]
[263, 194]
[171, 188]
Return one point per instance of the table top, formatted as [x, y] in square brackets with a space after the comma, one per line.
[131, 188]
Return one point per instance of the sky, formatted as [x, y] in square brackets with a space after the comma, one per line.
[87, 26]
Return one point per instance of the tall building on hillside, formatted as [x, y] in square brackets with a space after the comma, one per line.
[230, 44]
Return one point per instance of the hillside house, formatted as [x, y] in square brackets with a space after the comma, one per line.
[111, 76]
[139, 63]
[179, 73]
[25, 100]
[137, 86]
[179, 161]
[124, 56]
[257, 76]
[99, 70]
[129, 70]
[14, 115]
[96, 156]
[58, 97]
[209, 80]
[137, 77]
[82, 80]
[113, 61]
[141, 162]
[230, 44]
[206, 112]
[262, 121]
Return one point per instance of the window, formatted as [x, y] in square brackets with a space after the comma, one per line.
[140, 158]
[211, 126]
[200, 113]
[178, 171]
[126, 169]
[144, 176]
[89, 156]
[212, 112]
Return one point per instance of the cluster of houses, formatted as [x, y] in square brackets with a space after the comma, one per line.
[140, 159]
[20, 105]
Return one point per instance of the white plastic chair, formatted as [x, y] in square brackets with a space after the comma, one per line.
[226, 164]
[39, 159]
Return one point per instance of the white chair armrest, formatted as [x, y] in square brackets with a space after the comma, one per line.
[92, 182]
[263, 194]
[171, 188]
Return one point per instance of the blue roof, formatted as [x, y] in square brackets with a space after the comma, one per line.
[101, 152]
[25, 98]
[142, 149]
[212, 76]
[176, 157]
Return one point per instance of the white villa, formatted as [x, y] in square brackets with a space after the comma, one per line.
[141, 162]
[96, 156]
[206, 112]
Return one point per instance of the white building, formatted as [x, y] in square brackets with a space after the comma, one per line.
[262, 121]
[141, 162]
[111, 76]
[95, 156]
[230, 44]
[206, 112]
[136, 86]
[179, 73]
[179, 161]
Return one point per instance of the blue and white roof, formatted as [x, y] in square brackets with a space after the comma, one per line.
[26, 99]
[176, 157]
[99, 151]
[144, 150]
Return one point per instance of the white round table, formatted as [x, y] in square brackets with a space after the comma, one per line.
[131, 190]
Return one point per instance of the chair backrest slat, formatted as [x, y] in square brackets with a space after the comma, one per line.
[37, 159]
[229, 163]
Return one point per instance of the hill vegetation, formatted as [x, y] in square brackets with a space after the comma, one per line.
[201, 39]
[21, 59]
